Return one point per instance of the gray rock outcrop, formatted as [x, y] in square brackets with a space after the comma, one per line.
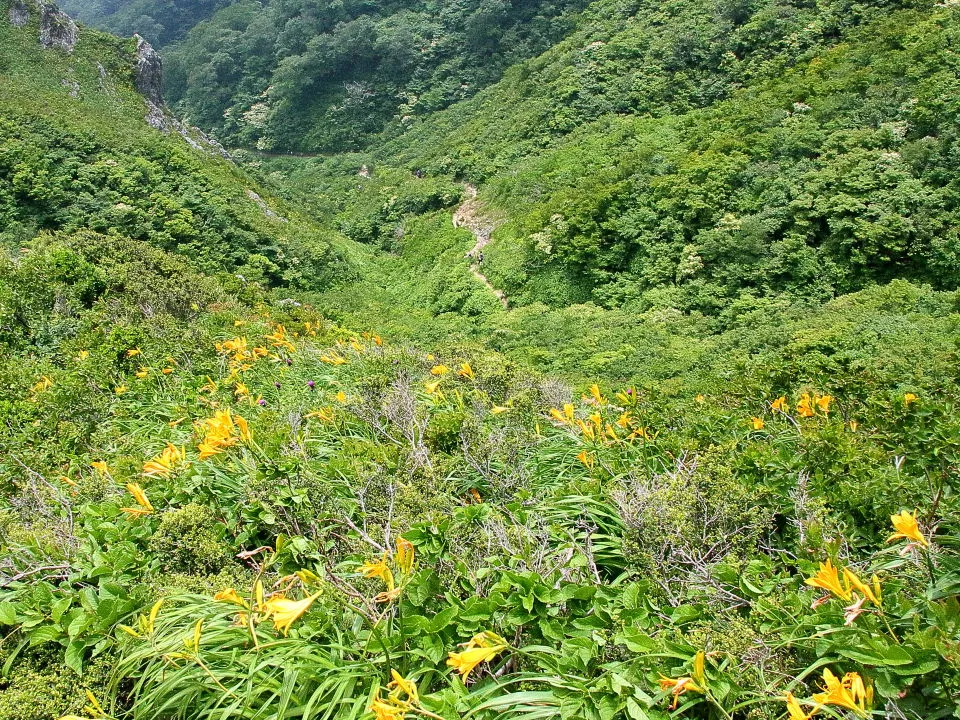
[57, 30]
[148, 74]
[19, 13]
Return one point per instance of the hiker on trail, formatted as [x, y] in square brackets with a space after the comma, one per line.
[480, 258]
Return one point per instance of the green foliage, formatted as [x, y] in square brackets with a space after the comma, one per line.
[295, 76]
[608, 542]
[85, 160]
[189, 541]
[160, 21]
[44, 689]
[216, 502]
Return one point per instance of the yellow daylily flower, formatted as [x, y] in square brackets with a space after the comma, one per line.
[439, 370]
[120, 389]
[780, 404]
[677, 687]
[222, 431]
[909, 399]
[804, 407]
[405, 555]
[140, 496]
[498, 409]
[165, 463]
[587, 459]
[611, 433]
[95, 706]
[230, 595]
[44, 383]
[279, 338]
[142, 373]
[870, 593]
[699, 671]
[905, 524]
[823, 402]
[758, 423]
[285, 612]
[243, 429]
[192, 643]
[595, 397]
[794, 710]
[145, 622]
[378, 569]
[828, 578]
[388, 595]
[639, 433]
[341, 397]
[586, 429]
[481, 648]
[385, 711]
[849, 693]
[400, 685]
[324, 415]
[465, 371]
[133, 352]
[100, 466]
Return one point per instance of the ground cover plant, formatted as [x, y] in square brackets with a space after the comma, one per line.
[226, 510]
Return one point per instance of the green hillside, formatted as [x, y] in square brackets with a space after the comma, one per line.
[684, 444]
[812, 172]
[160, 21]
[77, 154]
[307, 76]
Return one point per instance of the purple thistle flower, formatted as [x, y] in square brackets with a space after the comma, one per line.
[311, 384]
[261, 402]
[276, 385]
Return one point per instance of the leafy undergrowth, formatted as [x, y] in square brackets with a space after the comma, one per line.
[214, 508]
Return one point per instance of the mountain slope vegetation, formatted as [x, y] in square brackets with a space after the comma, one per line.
[77, 154]
[804, 173]
[270, 459]
[160, 21]
[298, 75]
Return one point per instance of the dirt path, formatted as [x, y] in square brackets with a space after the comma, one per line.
[470, 216]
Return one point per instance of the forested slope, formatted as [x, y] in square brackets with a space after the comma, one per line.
[690, 157]
[300, 75]
[160, 21]
[76, 153]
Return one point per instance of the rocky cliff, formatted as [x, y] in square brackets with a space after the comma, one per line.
[148, 72]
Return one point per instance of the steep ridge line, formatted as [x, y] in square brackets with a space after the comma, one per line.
[470, 216]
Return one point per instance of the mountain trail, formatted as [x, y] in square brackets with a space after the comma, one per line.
[470, 216]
